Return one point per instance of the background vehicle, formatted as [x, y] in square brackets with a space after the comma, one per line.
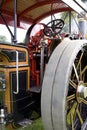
[34, 77]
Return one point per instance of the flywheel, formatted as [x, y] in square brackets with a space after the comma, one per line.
[64, 89]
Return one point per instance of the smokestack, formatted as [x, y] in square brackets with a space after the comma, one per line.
[82, 25]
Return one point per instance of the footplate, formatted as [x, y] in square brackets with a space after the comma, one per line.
[25, 122]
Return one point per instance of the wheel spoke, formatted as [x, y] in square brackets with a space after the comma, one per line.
[79, 60]
[85, 83]
[71, 114]
[71, 97]
[79, 66]
[72, 121]
[72, 84]
[76, 72]
[79, 115]
[84, 101]
[83, 71]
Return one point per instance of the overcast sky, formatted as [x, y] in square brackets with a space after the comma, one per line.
[20, 33]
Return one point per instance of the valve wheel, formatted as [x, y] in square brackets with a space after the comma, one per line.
[64, 90]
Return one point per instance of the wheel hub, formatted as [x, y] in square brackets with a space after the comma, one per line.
[81, 92]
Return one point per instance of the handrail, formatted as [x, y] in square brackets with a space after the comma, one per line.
[17, 74]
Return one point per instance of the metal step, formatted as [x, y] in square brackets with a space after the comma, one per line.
[25, 122]
[35, 89]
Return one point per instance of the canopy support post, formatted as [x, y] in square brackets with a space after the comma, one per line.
[15, 21]
[70, 22]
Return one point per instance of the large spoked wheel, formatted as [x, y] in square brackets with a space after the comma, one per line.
[64, 90]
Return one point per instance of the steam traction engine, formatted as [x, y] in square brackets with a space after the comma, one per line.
[46, 76]
[21, 76]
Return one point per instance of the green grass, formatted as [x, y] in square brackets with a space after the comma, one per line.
[36, 125]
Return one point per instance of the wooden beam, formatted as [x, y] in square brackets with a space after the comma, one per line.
[52, 12]
[38, 4]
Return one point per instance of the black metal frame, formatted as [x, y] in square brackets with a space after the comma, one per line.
[13, 36]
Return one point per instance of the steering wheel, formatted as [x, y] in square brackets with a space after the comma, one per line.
[53, 28]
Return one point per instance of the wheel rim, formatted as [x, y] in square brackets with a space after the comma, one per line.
[46, 97]
[69, 89]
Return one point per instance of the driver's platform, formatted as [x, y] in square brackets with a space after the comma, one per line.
[35, 89]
